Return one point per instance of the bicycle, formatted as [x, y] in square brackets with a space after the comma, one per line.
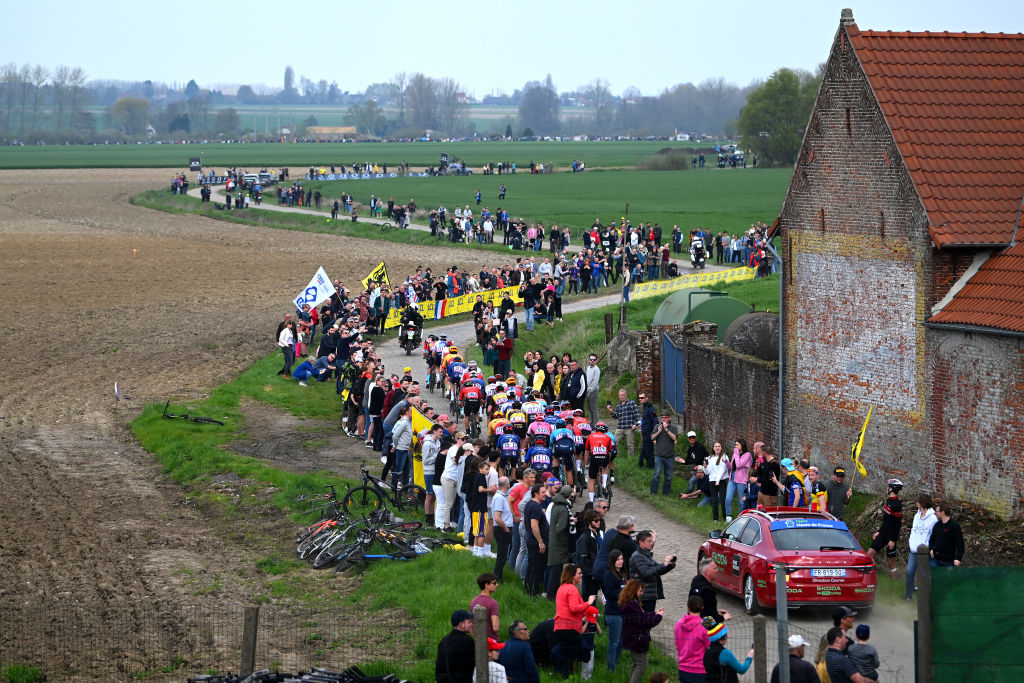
[369, 497]
[330, 503]
[190, 418]
[385, 226]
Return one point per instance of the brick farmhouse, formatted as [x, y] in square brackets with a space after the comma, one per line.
[904, 276]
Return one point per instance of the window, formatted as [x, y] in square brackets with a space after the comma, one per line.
[752, 534]
[735, 530]
[814, 539]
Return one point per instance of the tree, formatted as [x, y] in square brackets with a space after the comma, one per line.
[76, 93]
[227, 121]
[289, 94]
[538, 108]
[421, 99]
[9, 81]
[179, 122]
[773, 121]
[452, 104]
[199, 111]
[191, 89]
[40, 74]
[368, 118]
[396, 92]
[59, 83]
[333, 93]
[245, 95]
[130, 114]
[508, 131]
[601, 100]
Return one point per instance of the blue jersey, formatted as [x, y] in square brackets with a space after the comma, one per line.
[563, 441]
[551, 419]
[508, 446]
[539, 458]
[455, 370]
[795, 491]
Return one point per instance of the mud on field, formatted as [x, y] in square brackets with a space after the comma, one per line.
[95, 290]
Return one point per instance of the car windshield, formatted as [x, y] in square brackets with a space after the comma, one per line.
[814, 539]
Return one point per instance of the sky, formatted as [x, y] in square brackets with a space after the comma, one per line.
[488, 47]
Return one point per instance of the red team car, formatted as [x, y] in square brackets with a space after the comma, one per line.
[824, 561]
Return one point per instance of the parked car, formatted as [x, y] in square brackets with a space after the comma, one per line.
[825, 563]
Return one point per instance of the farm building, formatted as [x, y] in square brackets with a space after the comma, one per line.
[331, 133]
[904, 283]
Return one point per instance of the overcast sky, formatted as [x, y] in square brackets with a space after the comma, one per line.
[486, 46]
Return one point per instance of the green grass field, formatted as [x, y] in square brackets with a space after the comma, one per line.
[417, 154]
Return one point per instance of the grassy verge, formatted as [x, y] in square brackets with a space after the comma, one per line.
[20, 673]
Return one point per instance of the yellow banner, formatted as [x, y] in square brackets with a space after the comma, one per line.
[419, 423]
[656, 287]
[435, 310]
[378, 274]
[859, 444]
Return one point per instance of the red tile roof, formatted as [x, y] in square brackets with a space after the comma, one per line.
[955, 103]
[993, 297]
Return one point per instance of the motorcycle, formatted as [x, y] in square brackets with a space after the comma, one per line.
[409, 337]
[697, 254]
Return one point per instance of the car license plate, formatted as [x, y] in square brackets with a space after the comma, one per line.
[828, 572]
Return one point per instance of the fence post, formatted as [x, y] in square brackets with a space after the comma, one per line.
[782, 618]
[480, 644]
[760, 649]
[249, 628]
[609, 323]
[924, 615]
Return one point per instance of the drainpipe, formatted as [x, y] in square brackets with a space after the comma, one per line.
[782, 305]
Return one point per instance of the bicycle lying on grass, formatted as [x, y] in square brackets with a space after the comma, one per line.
[190, 418]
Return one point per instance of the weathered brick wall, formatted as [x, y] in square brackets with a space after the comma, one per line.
[648, 362]
[977, 418]
[730, 395]
[862, 277]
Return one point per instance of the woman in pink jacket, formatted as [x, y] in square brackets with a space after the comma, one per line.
[691, 642]
[569, 610]
[739, 465]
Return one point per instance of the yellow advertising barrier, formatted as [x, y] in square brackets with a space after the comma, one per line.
[436, 310]
[656, 287]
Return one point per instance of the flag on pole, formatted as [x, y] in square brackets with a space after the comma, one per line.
[859, 443]
[378, 274]
[439, 308]
[320, 289]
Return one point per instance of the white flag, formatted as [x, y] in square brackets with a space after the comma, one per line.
[319, 290]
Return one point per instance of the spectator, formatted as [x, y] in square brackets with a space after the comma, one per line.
[702, 488]
[536, 538]
[517, 655]
[617, 539]
[648, 420]
[612, 582]
[402, 439]
[800, 670]
[627, 416]
[455, 653]
[691, 642]
[569, 611]
[643, 566]
[719, 662]
[717, 472]
[495, 671]
[863, 655]
[454, 460]
[577, 385]
[840, 668]
[503, 520]
[696, 456]
[739, 466]
[768, 474]
[920, 534]
[701, 586]
[636, 628]
[593, 388]
[750, 491]
[947, 540]
[842, 618]
[559, 512]
[431, 449]
[838, 491]
[889, 531]
[488, 583]
[588, 545]
[664, 438]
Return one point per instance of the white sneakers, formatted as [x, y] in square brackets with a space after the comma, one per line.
[728, 518]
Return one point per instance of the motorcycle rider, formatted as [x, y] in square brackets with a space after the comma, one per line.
[697, 252]
[411, 315]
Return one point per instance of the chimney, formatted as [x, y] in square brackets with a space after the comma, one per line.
[846, 17]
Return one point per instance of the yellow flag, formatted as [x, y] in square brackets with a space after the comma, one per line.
[419, 423]
[378, 274]
[858, 444]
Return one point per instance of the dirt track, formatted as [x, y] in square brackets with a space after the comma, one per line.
[96, 290]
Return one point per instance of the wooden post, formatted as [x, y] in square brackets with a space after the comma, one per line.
[760, 649]
[249, 629]
[924, 616]
[480, 643]
[609, 324]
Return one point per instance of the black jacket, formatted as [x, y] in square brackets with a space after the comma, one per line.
[456, 658]
[702, 587]
[947, 541]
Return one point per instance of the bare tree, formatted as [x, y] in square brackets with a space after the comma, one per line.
[601, 100]
[397, 89]
[9, 80]
[24, 85]
[452, 103]
[40, 74]
[76, 94]
[61, 76]
[422, 99]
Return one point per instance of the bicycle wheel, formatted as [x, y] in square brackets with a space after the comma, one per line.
[362, 500]
[410, 496]
[384, 227]
[304, 545]
[352, 556]
[317, 543]
[330, 551]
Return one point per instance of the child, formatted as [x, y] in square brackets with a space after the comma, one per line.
[590, 631]
[750, 492]
[864, 656]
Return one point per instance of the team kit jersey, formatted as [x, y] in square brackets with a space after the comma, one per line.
[539, 428]
[508, 446]
[470, 393]
[539, 458]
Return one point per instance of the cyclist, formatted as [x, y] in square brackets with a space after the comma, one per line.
[496, 427]
[454, 370]
[538, 427]
[599, 451]
[563, 445]
[470, 397]
[517, 420]
[533, 407]
[508, 448]
[538, 456]
[512, 388]
[491, 388]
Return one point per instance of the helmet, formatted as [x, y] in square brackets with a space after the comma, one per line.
[560, 423]
[511, 381]
[491, 380]
[467, 382]
[452, 348]
[540, 440]
[407, 370]
[447, 342]
[577, 413]
[472, 363]
[549, 409]
[499, 413]
[432, 338]
[895, 484]
[601, 427]
[538, 417]
[499, 376]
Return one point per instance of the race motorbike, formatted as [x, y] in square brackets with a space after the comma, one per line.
[409, 337]
[697, 254]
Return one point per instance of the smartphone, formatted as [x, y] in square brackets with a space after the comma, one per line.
[675, 557]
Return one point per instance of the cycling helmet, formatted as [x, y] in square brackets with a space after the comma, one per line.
[491, 380]
[540, 440]
[601, 427]
[447, 342]
[895, 484]
[577, 413]
[499, 377]
[538, 417]
[452, 348]
[549, 409]
[467, 382]
[560, 424]
[432, 338]
[511, 381]
[472, 363]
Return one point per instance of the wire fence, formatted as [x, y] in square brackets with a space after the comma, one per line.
[81, 642]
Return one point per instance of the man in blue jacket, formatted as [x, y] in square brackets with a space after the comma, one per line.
[517, 655]
[648, 420]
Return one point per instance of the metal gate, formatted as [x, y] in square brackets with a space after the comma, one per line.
[673, 366]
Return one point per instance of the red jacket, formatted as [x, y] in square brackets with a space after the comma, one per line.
[569, 608]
